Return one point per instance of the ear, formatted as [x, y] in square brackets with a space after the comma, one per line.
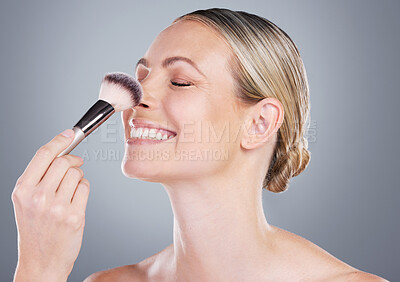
[263, 121]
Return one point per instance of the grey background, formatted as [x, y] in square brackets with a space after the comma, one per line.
[54, 55]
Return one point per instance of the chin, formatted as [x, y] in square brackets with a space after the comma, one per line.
[149, 171]
[167, 166]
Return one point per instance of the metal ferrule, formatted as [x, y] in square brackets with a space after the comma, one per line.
[93, 118]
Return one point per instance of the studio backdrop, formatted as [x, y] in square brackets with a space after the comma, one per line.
[54, 55]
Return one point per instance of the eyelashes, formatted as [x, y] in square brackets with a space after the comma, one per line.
[186, 84]
[177, 84]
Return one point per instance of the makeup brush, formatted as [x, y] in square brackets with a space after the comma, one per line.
[118, 92]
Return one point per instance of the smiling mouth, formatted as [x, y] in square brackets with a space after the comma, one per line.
[147, 132]
[141, 133]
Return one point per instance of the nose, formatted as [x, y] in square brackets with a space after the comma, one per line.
[151, 89]
[148, 101]
[143, 105]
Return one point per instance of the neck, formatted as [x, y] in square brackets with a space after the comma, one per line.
[219, 225]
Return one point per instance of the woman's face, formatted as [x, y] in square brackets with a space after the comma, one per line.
[193, 103]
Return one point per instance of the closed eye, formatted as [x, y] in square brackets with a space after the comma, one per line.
[181, 84]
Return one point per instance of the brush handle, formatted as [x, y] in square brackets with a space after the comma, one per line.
[93, 118]
[79, 136]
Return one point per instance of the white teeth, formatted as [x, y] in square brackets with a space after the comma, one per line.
[145, 133]
[139, 132]
[152, 133]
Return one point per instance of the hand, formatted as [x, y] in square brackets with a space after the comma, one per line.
[49, 201]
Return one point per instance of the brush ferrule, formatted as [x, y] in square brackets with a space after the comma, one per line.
[95, 116]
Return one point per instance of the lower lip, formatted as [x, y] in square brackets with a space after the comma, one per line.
[139, 141]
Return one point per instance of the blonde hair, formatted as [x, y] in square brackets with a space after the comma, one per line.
[267, 63]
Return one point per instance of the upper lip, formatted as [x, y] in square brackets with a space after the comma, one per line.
[148, 124]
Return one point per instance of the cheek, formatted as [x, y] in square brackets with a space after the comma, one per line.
[187, 111]
[207, 115]
[203, 122]
[187, 106]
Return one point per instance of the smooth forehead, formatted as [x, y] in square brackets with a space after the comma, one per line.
[190, 39]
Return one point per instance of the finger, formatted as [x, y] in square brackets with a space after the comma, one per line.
[80, 198]
[45, 155]
[68, 184]
[57, 170]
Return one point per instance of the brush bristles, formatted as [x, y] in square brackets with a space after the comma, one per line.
[120, 90]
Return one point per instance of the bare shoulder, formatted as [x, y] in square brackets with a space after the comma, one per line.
[147, 269]
[318, 263]
[358, 276]
[120, 274]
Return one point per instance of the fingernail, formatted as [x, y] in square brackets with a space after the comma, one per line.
[68, 133]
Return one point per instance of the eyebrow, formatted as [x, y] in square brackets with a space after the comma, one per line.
[170, 61]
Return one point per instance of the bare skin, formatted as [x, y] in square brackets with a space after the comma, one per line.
[50, 200]
[220, 230]
[303, 261]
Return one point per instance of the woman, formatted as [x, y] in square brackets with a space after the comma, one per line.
[229, 91]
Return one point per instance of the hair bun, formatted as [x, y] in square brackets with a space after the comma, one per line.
[286, 166]
[302, 155]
